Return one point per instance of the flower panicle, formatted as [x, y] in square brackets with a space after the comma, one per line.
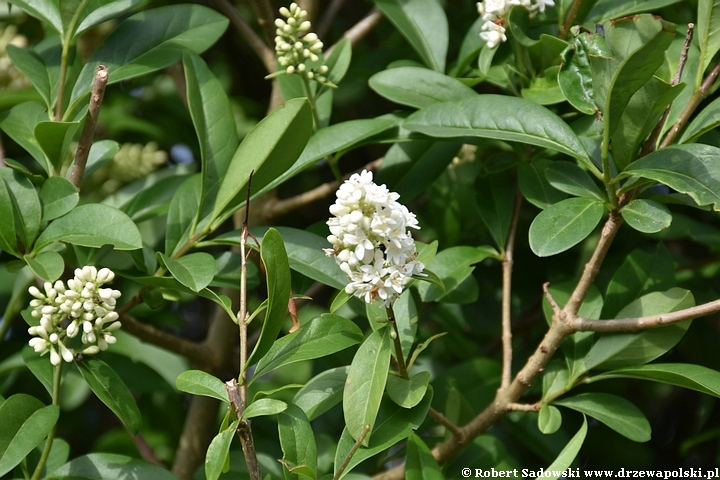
[370, 239]
[494, 12]
[79, 308]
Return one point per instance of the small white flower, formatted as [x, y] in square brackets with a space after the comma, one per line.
[493, 34]
[295, 44]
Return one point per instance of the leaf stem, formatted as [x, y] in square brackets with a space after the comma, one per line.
[567, 24]
[507, 268]
[57, 377]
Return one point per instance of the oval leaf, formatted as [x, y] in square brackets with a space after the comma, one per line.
[564, 225]
[58, 196]
[549, 419]
[47, 265]
[322, 392]
[408, 393]
[195, 271]
[218, 450]
[101, 466]
[570, 178]
[418, 87]
[198, 382]
[264, 407]
[646, 216]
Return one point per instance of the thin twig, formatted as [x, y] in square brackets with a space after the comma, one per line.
[264, 53]
[567, 24]
[443, 420]
[358, 31]
[522, 407]
[323, 25]
[85, 142]
[550, 299]
[507, 268]
[351, 453]
[266, 18]
[283, 207]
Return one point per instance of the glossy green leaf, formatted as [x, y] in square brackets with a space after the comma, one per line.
[393, 424]
[423, 24]
[54, 138]
[708, 33]
[452, 266]
[629, 349]
[694, 377]
[264, 407]
[498, 117]
[564, 225]
[47, 265]
[365, 384]
[101, 153]
[8, 239]
[101, 466]
[26, 204]
[575, 76]
[39, 366]
[214, 124]
[322, 392]
[182, 212]
[58, 196]
[420, 463]
[278, 140]
[202, 383]
[98, 11]
[217, 452]
[110, 389]
[567, 456]
[611, 9]
[568, 177]
[32, 65]
[47, 10]
[640, 273]
[706, 120]
[93, 225]
[418, 87]
[615, 412]
[338, 61]
[154, 200]
[534, 185]
[544, 90]
[321, 336]
[495, 196]
[19, 124]
[297, 441]
[646, 216]
[690, 169]
[195, 270]
[408, 393]
[549, 419]
[149, 41]
[277, 269]
[24, 423]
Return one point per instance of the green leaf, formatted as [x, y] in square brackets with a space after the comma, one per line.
[153, 200]
[101, 466]
[8, 239]
[706, 120]
[47, 265]
[418, 87]
[24, 423]
[47, 10]
[421, 347]
[322, 392]
[32, 65]
[100, 154]
[19, 124]
[110, 389]
[297, 441]
[630, 349]
[564, 225]
[202, 383]
[545, 90]
[182, 212]
[365, 384]
[408, 393]
[533, 183]
[25, 203]
[708, 33]
[420, 463]
[646, 216]
[277, 270]
[499, 117]
[549, 419]
[149, 41]
[694, 377]
[452, 266]
[495, 199]
[54, 138]
[423, 24]
[98, 11]
[575, 76]
[39, 366]
[611, 9]
[567, 455]
[393, 424]
[214, 124]
[690, 169]
[570, 178]
[321, 336]
[195, 270]
[58, 196]
[93, 225]
[278, 140]
[217, 452]
[615, 412]
[264, 407]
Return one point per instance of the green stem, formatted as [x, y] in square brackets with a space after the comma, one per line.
[607, 176]
[57, 376]
[65, 56]
[402, 369]
[311, 99]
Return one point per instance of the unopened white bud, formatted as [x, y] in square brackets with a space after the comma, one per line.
[92, 350]
[36, 293]
[54, 357]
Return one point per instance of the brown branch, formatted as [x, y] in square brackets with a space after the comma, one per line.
[310, 6]
[146, 452]
[358, 31]
[86, 138]
[507, 268]
[351, 453]
[266, 15]
[328, 16]
[283, 207]
[264, 53]
[522, 407]
[441, 419]
[567, 24]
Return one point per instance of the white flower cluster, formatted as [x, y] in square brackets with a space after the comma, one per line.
[295, 44]
[370, 240]
[65, 311]
[494, 12]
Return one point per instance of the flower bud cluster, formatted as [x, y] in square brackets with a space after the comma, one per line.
[296, 45]
[10, 77]
[495, 11]
[370, 239]
[80, 308]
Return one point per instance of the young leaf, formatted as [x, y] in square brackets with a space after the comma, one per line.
[277, 270]
[32, 65]
[495, 200]
[183, 209]
[198, 382]
[615, 412]
[646, 216]
[100, 154]
[575, 76]
[365, 384]
[110, 389]
[54, 138]
[567, 455]
[423, 24]
[58, 196]
[564, 225]
[708, 33]
[338, 61]
[420, 463]
[195, 271]
[694, 377]
[321, 336]
[297, 441]
[264, 407]
[549, 419]
[19, 124]
[570, 178]
[218, 451]
[99, 466]
[452, 266]
[47, 265]
[322, 392]
[418, 87]
[93, 225]
[408, 393]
